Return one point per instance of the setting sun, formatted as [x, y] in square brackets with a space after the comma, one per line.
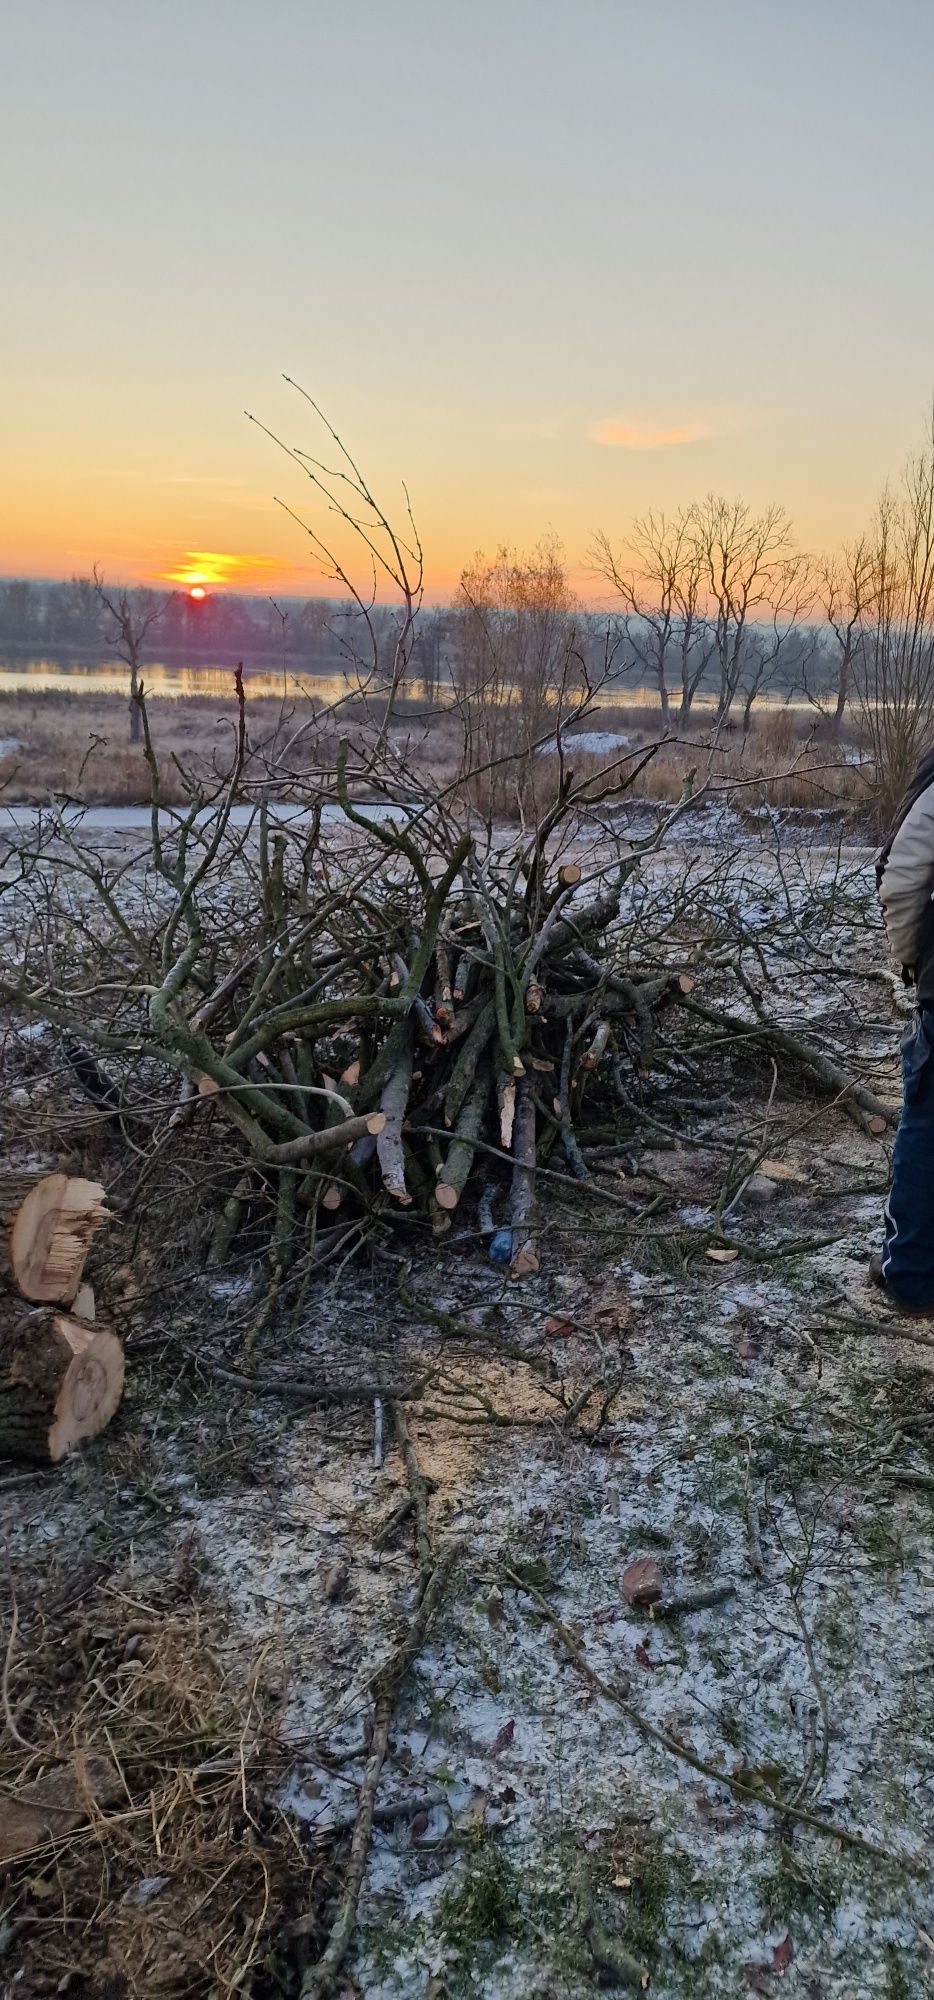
[197, 591]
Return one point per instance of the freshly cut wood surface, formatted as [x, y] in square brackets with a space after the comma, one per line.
[61, 1380]
[49, 1222]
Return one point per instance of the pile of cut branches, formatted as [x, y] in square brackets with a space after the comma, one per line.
[388, 1005]
[335, 992]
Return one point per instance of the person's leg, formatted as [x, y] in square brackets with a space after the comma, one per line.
[908, 1252]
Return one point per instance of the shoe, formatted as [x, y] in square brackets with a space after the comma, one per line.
[876, 1278]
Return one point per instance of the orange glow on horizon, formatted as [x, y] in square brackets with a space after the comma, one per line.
[200, 569]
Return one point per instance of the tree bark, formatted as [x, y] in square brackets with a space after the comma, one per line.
[394, 1105]
[523, 1213]
[60, 1382]
[450, 1187]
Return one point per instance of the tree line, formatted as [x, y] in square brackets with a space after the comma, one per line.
[715, 601]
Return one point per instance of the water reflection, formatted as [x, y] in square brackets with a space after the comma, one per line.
[47, 675]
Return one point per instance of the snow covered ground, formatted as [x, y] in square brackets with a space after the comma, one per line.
[745, 1802]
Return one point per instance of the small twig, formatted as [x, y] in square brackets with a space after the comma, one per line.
[418, 1488]
[8, 1715]
[379, 1452]
[319, 1981]
[753, 1522]
[681, 1605]
[392, 1523]
[312, 1389]
[751, 1794]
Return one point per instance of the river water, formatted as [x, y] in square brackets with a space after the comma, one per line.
[47, 674]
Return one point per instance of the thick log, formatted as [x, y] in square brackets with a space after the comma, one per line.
[60, 1382]
[48, 1221]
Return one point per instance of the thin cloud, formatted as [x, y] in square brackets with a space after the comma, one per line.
[209, 566]
[627, 436]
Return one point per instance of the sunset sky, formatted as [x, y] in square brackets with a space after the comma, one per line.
[550, 263]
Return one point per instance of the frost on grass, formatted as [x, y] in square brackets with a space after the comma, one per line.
[771, 1432]
[529, 1799]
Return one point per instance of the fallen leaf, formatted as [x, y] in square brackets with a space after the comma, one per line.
[783, 1953]
[722, 1256]
[642, 1581]
[505, 1737]
[781, 1170]
[643, 1658]
[494, 1605]
[557, 1326]
[418, 1827]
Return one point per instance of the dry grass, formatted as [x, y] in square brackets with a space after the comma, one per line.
[78, 745]
[178, 1877]
[755, 773]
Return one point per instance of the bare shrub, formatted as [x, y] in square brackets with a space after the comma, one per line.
[777, 733]
[517, 670]
[129, 618]
[894, 667]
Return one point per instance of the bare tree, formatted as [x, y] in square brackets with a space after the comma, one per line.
[394, 555]
[83, 610]
[745, 559]
[515, 653]
[427, 653]
[845, 589]
[790, 597]
[132, 615]
[661, 593]
[894, 663]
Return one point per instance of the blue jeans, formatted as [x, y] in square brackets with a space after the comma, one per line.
[908, 1253]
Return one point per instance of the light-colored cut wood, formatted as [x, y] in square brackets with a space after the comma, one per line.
[49, 1234]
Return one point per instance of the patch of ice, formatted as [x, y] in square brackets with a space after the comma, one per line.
[229, 1288]
[596, 742]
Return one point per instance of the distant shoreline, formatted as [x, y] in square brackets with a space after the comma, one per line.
[266, 657]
